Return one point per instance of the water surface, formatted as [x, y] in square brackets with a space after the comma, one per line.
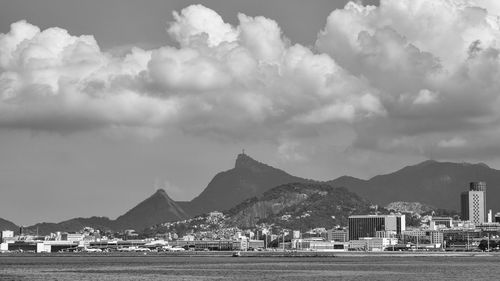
[108, 268]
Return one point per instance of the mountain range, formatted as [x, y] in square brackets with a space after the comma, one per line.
[434, 183]
[297, 206]
[438, 184]
[247, 179]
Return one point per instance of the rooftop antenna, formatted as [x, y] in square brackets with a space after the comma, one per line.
[243, 151]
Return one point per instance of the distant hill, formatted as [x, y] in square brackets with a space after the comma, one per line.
[8, 225]
[300, 206]
[409, 207]
[247, 179]
[72, 225]
[434, 183]
[297, 206]
[156, 209]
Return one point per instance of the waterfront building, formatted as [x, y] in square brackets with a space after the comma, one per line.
[436, 237]
[72, 237]
[255, 244]
[420, 236]
[372, 244]
[337, 235]
[460, 236]
[6, 234]
[473, 203]
[318, 244]
[368, 225]
[414, 236]
[214, 245]
[285, 245]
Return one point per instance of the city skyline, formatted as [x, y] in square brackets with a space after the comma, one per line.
[110, 99]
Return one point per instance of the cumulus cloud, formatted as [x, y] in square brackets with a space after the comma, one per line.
[435, 64]
[222, 78]
[408, 75]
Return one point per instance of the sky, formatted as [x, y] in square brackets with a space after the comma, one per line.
[103, 102]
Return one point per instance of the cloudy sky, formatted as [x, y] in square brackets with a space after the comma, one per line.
[103, 102]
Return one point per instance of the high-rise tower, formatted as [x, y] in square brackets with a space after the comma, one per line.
[473, 203]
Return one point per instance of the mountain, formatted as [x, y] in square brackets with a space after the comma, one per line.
[247, 179]
[409, 207]
[8, 225]
[72, 225]
[430, 182]
[300, 206]
[156, 209]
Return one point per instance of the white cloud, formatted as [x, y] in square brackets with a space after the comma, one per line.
[435, 65]
[196, 22]
[290, 151]
[425, 97]
[221, 78]
[410, 74]
[452, 143]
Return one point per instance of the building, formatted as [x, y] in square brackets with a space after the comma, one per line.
[337, 235]
[372, 244]
[445, 221]
[492, 227]
[6, 234]
[214, 245]
[422, 237]
[319, 245]
[473, 203]
[368, 225]
[386, 234]
[73, 237]
[255, 244]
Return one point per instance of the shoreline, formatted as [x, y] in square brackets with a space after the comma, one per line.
[243, 254]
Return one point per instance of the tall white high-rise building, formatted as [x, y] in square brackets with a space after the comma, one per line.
[473, 203]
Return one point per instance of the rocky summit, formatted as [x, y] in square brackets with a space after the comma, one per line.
[247, 179]
[158, 208]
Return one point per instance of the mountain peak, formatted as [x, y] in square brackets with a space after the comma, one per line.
[157, 208]
[426, 163]
[248, 178]
[245, 161]
[162, 192]
[484, 165]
